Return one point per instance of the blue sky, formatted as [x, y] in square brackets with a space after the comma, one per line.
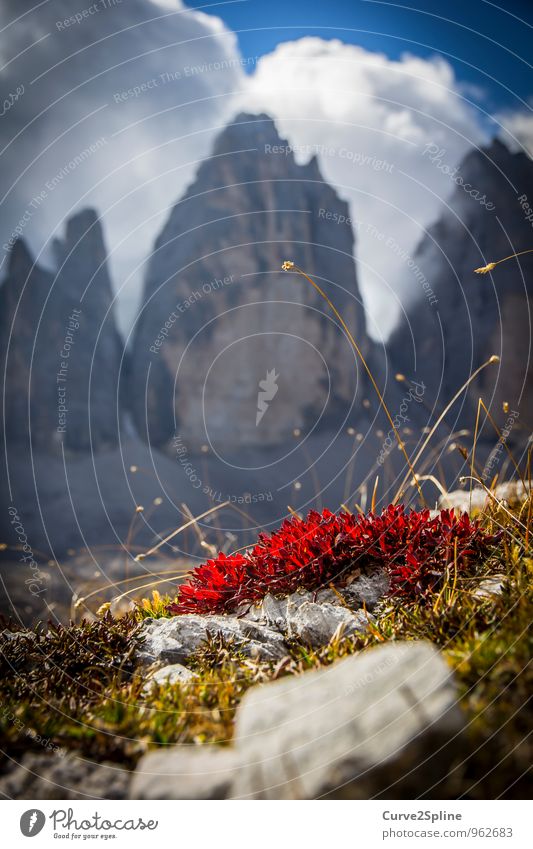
[488, 44]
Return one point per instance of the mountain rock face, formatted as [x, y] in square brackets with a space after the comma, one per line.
[472, 316]
[59, 345]
[224, 335]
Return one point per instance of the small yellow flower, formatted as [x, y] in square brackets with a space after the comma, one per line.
[486, 268]
[288, 265]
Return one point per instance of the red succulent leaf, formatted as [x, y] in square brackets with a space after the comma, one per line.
[414, 548]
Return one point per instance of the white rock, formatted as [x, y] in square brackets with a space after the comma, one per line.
[511, 491]
[174, 673]
[375, 723]
[185, 772]
[382, 723]
[489, 588]
[175, 639]
[316, 624]
[314, 618]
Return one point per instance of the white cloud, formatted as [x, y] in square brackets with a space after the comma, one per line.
[104, 76]
[517, 130]
[154, 79]
[371, 119]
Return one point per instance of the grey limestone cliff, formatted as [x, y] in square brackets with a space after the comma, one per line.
[223, 334]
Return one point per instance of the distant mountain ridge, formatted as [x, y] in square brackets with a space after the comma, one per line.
[218, 318]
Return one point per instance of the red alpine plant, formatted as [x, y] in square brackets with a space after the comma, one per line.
[414, 548]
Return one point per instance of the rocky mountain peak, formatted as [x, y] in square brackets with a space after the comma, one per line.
[64, 349]
[246, 131]
[83, 235]
[20, 259]
[218, 315]
[473, 316]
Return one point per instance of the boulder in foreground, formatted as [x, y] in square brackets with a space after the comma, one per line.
[384, 723]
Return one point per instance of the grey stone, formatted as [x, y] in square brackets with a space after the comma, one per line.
[314, 618]
[174, 673]
[374, 724]
[382, 723]
[259, 631]
[367, 590]
[174, 640]
[185, 773]
[316, 624]
[489, 588]
[53, 775]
